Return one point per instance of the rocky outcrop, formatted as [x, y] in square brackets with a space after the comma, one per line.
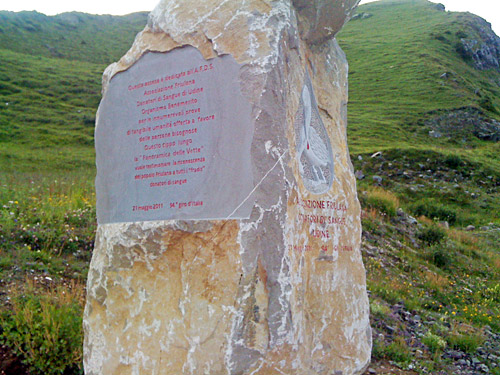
[463, 123]
[483, 48]
[283, 290]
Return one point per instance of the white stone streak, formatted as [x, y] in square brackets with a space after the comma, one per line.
[254, 46]
[99, 344]
[281, 12]
[261, 363]
[258, 184]
[190, 364]
[164, 18]
[284, 280]
[148, 330]
[237, 317]
[280, 371]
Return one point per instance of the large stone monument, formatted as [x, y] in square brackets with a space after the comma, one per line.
[229, 226]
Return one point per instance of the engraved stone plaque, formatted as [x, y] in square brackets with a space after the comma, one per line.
[173, 140]
[314, 151]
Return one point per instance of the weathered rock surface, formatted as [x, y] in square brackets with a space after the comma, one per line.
[282, 292]
[320, 20]
[463, 123]
[483, 46]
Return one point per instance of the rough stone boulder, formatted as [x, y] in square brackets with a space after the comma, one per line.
[279, 288]
[481, 44]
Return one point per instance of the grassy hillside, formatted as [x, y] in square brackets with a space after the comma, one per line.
[407, 73]
[47, 112]
[72, 36]
[431, 228]
[50, 85]
[397, 59]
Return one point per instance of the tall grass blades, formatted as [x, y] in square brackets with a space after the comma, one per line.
[44, 328]
[382, 200]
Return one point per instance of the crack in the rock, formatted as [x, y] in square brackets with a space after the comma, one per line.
[325, 112]
[256, 186]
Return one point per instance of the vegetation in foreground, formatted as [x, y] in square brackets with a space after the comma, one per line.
[434, 285]
[433, 276]
[47, 227]
[430, 205]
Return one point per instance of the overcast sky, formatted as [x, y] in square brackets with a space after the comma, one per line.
[488, 9]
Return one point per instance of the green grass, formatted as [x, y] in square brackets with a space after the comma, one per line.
[425, 184]
[464, 338]
[47, 229]
[396, 60]
[47, 112]
[380, 199]
[47, 224]
[397, 351]
[435, 343]
[43, 326]
[50, 84]
[463, 285]
[71, 36]
[50, 77]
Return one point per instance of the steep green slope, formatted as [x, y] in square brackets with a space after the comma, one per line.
[74, 36]
[50, 85]
[411, 77]
[47, 111]
[431, 226]
[398, 55]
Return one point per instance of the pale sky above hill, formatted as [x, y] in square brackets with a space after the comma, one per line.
[488, 9]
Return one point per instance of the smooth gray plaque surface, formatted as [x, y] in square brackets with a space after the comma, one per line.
[173, 141]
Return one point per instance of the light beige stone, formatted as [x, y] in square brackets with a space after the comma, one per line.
[276, 293]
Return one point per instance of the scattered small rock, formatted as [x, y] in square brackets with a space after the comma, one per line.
[361, 16]
[463, 123]
[456, 354]
[470, 228]
[377, 179]
[359, 175]
[390, 329]
[435, 134]
[440, 7]
[483, 368]
[412, 220]
[444, 224]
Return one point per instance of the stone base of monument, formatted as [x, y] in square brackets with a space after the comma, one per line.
[229, 227]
